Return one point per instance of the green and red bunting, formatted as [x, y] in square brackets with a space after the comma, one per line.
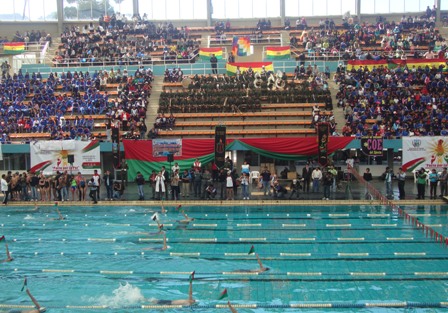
[39, 168]
[223, 295]
[139, 153]
[252, 250]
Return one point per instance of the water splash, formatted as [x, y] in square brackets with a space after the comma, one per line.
[125, 295]
[29, 217]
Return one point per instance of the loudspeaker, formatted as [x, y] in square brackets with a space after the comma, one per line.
[70, 159]
[170, 157]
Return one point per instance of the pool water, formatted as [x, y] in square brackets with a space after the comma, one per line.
[339, 256]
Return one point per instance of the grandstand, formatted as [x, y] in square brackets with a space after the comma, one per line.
[86, 74]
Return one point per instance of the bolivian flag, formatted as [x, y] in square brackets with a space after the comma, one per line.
[206, 53]
[278, 53]
[256, 66]
[370, 64]
[13, 47]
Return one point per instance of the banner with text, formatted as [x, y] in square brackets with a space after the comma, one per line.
[48, 157]
[323, 131]
[372, 146]
[427, 152]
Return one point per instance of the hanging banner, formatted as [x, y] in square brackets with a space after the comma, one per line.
[323, 131]
[163, 147]
[48, 157]
[372, 146]
[427, 152]
[220, 146]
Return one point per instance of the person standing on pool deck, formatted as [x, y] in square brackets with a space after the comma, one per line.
[214, 64]
[5, 189]
[93, 190]
[401, 176]
[97, 179]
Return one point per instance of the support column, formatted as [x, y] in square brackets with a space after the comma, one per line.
[135, 7]
[60, 14]
[390, 157]
[209, 12]
[358, 10]
[438, 15]
[282, 12]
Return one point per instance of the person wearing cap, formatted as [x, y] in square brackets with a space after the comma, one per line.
[443, 179]
[401, 176]
[186, 302]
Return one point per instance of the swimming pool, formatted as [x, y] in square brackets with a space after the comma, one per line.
[322, 258]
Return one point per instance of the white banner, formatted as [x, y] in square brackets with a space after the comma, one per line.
[426, 152]
[52, 156]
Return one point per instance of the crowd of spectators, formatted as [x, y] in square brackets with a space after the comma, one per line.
[401, 102]
[119, 41]
[355, 41]
[31, 104]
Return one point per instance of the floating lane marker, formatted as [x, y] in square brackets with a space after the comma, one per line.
[113, 224]
[151, 239]
[293, 225]
[203, 239]
[384, 225]
[311, 305]
[57, 271]
[443, 303]
[351, 239]
[96, 307]
[378, 215]
[253, 239]
[399, 238]
[415, 214]
[294, 254]
[387, 305]
[155, 225]
[338, 215]
[353, 254]
[302, 239]
[248, 225]
[175, 273]
[240, 273]
[431, 273]
[16, 306]
[434, 225]
[238, 306]
[367, 274]
[235, 254]
[102, 239]
[304, 274]
[339, 225]
[205, 225]
[409, 253]
[171, 306]
[185, 254]
[117, 272]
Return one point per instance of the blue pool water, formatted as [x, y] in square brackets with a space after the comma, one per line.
[351, 256]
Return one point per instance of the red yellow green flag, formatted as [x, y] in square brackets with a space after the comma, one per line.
[278, 53]
[244, 66]
[206, 53]
[13, 47]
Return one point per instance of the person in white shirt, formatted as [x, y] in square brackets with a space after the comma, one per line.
[229, 186]
[175, 168]
[316, 177]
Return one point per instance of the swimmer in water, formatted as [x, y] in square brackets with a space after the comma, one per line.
[261, 268]
[60, 216]
[186, 219]
[186, 302]
[8, 255]
[163, 248]
[38, 309]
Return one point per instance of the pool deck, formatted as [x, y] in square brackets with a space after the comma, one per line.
[348, 194]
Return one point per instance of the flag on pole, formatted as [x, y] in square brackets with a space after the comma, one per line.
[223, 295]
[192, 276]
[2, 238]
[25, 283]
[252, 250]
